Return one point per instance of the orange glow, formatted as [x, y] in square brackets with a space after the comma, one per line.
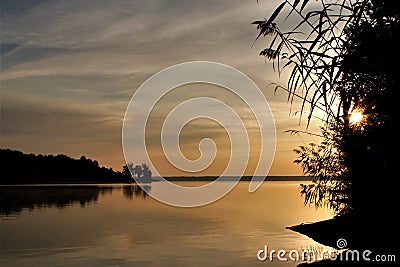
[356, 117]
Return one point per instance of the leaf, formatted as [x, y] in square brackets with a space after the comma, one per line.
[316, 40]
[294, 5]
[258, 22]
[276, 13]
[305, 2]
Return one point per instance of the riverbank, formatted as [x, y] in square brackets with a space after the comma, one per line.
[352, 233]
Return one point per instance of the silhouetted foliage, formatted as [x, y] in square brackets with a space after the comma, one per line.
[20, 168]
[341, 58]
[324, 163]
[127, 169]
[139, 173]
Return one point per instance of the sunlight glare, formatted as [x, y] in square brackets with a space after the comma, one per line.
[356, 117]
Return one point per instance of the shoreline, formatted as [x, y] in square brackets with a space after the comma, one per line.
[157, 179]
[352, 230]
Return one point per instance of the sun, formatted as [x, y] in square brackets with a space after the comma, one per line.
[356, 117]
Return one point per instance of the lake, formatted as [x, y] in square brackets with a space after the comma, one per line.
[123, 226]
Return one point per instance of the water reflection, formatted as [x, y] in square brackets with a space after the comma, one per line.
[15, 199]
[125, 227]
[135, 191]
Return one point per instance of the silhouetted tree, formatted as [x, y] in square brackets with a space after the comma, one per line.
[127, 169]
[137, 170]
[340, 55]
[340, 58]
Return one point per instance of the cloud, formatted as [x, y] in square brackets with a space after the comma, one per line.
[89, 23]
[69, 68]
[33, 125]
[7, 47]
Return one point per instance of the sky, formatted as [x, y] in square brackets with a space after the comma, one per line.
[70, 68]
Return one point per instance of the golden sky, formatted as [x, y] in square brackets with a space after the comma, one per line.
[70, 68]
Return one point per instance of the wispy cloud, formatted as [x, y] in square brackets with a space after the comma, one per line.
[69, 68]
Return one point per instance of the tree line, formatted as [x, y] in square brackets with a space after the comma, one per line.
[21, 168]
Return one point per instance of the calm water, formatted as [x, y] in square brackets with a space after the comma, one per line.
[122, 226]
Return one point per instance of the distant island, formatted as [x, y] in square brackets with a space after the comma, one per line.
[22, 168]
